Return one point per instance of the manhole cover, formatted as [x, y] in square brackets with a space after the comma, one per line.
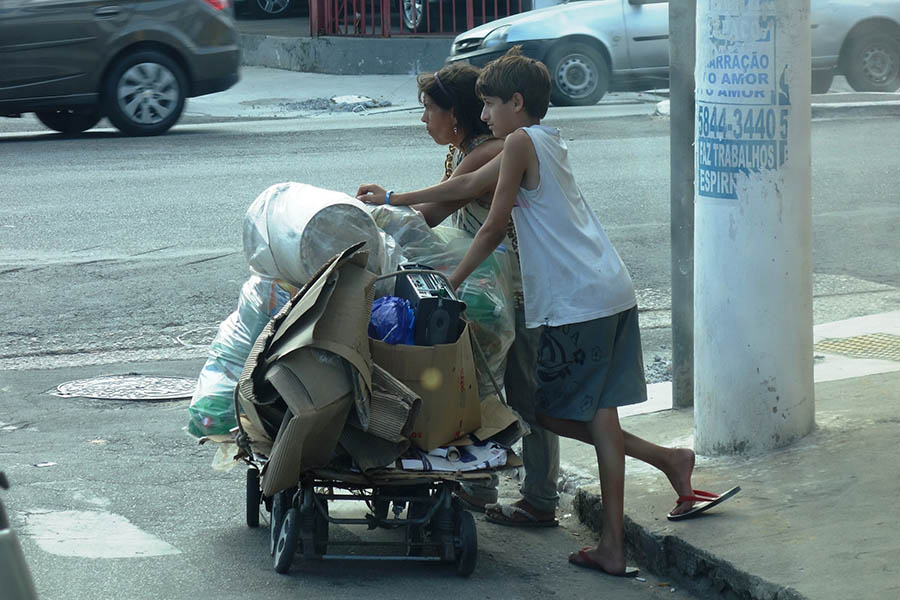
[885, 346]
[129, 387]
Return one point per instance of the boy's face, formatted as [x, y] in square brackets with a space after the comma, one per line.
[502, 117]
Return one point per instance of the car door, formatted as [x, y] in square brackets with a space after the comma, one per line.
[47, 47]
[647, 28]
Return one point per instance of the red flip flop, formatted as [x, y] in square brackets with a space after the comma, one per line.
[704, 501]
[581, 559]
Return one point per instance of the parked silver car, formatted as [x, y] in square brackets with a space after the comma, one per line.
[133, 61]
[592, 46]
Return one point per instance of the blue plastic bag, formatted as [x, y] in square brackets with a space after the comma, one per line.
[392, 320]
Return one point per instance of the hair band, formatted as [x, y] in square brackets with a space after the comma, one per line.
[444, 90]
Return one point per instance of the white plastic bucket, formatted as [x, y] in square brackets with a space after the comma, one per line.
[292, 229]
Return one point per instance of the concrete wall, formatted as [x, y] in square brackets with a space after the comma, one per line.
[345, 55]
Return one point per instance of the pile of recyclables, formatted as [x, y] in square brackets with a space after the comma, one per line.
[299, 381]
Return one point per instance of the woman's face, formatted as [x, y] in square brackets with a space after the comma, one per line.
[439, 122]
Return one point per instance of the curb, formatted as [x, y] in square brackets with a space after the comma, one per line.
[345, 55]
[886, 108]
[670, 556]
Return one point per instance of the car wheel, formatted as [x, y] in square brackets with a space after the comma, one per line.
[821, 81]
[69, 120]
[144, 93]
[412, 14]
[872, 63]
[270, 8]
[579, 75]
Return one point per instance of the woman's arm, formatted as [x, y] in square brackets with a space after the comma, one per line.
[458, 188]
[436, 212]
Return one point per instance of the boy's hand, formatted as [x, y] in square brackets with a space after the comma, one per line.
[371, 193]
[454, 282]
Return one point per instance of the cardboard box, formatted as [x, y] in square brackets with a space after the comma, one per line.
[444, 377]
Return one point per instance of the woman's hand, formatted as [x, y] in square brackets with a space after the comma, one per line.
[371, 193]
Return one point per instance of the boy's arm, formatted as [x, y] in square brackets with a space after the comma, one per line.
[518, 153]
[436, 212]
[456, 189]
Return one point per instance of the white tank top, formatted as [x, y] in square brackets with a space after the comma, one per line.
[570, 271]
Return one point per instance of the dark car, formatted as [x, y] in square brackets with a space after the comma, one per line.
[133, 61]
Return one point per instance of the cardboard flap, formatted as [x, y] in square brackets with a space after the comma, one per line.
[338, 321]
[309, 379]
[300, 320]
[307, 442]
[499, 422]
[369, 451]
[309, 295]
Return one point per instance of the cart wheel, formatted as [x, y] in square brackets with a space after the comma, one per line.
[254, 497]
[320, 530]
[443, 527]
[380, 508]
[281, 502]
[286, 546]
[466, 543]
[415, 534]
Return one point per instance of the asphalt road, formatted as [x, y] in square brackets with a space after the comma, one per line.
[111, 499]
[117, 249]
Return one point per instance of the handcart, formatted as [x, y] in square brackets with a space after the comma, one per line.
[420, 504]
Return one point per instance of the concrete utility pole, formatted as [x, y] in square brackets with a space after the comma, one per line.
[753, 372]
[682, 25]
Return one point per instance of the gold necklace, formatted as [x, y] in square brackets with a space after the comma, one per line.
[448, 161]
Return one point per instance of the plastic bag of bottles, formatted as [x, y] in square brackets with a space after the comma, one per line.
[212, 406]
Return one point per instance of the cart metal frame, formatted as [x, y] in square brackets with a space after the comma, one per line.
[436, 527]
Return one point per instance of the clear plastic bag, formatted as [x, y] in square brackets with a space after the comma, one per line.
[212, 406]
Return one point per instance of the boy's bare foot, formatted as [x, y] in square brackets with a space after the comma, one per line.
[602, 560]
[679, 472]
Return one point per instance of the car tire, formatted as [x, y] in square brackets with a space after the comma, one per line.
[579, 75]
[412, 15]
[821, 81]
[871, 62]
[269, 9]
[69, 120]
[144, 93]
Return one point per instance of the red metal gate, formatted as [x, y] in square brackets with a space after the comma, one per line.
[386, 18]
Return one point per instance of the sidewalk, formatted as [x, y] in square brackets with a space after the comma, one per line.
[266, 93]
[815, 520]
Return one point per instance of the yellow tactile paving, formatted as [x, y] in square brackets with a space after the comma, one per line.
[885, 346]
